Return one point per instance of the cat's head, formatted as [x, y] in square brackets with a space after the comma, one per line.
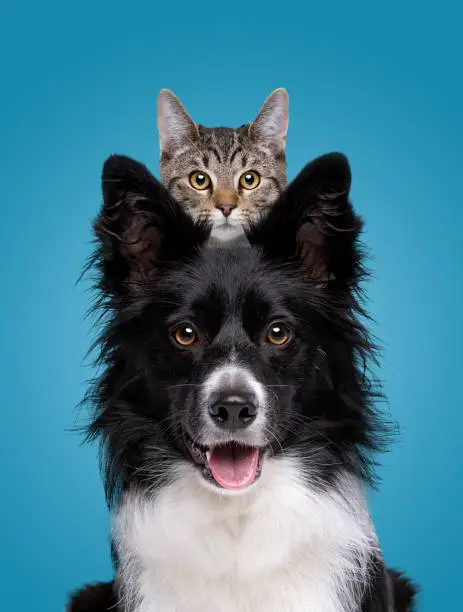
[228, 176]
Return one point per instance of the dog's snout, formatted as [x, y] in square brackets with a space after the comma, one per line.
[233, 401]
[233, 411]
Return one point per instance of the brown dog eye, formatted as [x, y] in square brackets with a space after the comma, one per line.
[249, 180]
[200, 180]
[185, 335]
[278, 334]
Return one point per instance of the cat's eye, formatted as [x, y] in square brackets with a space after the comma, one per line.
[200, 180]
[278, 334]
[185, 335]
[249, 179]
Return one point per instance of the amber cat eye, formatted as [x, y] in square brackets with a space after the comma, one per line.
[185, 335]
[200, 180]
[278, 334]
[249, 179]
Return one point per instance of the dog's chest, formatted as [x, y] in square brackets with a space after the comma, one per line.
[277, 548]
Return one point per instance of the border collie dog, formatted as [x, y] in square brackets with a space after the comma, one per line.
[235, 408]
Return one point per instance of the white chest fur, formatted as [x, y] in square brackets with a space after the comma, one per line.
[278, 547]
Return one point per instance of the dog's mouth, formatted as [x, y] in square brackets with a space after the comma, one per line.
[230, 465]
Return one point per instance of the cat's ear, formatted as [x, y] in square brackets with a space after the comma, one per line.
[271, 124]
[313, 223]
[176, 128]
[139, 229]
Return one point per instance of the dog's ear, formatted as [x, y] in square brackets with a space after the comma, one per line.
[140, 227]
[313, 223]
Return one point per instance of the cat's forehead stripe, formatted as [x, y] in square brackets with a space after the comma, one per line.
[221, 138]
[216, 153]
[238, 149]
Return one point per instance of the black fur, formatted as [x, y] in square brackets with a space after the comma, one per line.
[405, 592]
[94, 598]
[305, 267]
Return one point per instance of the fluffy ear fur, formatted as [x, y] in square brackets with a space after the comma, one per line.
[139, 228]
[176, 128]
[313, 223]
[271, 124]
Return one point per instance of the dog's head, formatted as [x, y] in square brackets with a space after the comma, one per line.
[225, 357]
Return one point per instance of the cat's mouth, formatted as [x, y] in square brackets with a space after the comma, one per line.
[227, 222]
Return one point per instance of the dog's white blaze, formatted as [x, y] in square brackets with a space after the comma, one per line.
[280, 546]
[236, 376]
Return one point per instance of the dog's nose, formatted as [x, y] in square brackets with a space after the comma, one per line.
[226, 208]
[233, 412]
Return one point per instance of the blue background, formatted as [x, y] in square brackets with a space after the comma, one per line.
[79, 81]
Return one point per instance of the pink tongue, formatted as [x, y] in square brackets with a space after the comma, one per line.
[234, 466]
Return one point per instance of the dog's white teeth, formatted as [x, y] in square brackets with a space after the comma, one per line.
[208, 455]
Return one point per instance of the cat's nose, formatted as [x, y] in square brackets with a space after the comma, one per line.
[226, 208]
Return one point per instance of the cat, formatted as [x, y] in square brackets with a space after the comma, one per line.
[225, 177]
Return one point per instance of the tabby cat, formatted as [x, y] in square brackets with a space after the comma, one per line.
[228, 177]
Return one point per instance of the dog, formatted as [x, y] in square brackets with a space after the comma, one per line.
[236, 410]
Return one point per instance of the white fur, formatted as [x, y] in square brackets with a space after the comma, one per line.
[226, 234]
[233, 377]
[278, 546]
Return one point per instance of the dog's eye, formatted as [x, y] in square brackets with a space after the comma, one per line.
[200, 180]
[185, 335]
[249, 180]
[278, 334]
